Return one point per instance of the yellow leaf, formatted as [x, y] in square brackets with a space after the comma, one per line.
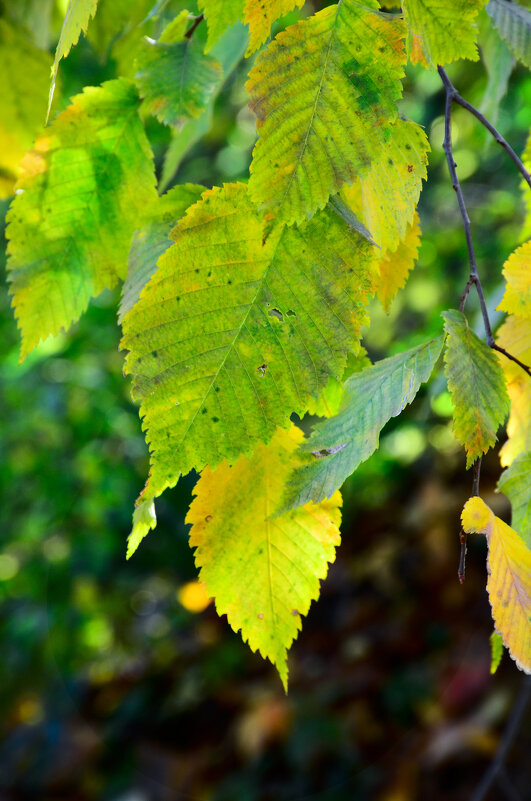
[263, 571]
[509, 581]
[517, 271]
[395, 267]
[261, 14]
[441, 31]
[515, 336]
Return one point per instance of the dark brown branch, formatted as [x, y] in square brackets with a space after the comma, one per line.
[497, 765]
[197, 21]
[512, 358]
[456, 98]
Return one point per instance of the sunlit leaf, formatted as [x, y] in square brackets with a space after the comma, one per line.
[371, 397]
[509, 581]
[517, 272]
[77, 17]
[220, 15]
[261, 14]
[477, 386]
[496, 650]
[515, 482]
[87, 185]
[263, 573]
[441, 31]
[232, 335]
[515, 336]
[395, 267]
[324, 93]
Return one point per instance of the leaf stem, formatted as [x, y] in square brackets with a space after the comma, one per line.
[197, 21]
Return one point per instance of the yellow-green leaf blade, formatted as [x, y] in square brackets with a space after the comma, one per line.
[220, 15]
[88, 184]
[324, 93]
[441, 31]
[263, 573]
[517, 272]
[509, 581]
[231, 335]
[515, 482]
[496, 651]
[395, 267]
[77, 17]
[515, 337]
[260, 15]
[477, 386]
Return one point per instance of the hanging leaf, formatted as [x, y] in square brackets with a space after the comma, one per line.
[515, 336]
[324, 93]
[151, 241]
[261, 14]
[338, 445]
[513, 23]
[77, 17]
[477, 386]
[220, 15]
[263, 573]
[509, 581]
[231, 336]
[391, 189]
[395, 267]
[87, 185]
[499, 63]
[517, 272]
[441, 32]
[23, 103]
[515, 482]
[175, 78]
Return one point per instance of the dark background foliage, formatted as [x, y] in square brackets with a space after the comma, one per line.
[112, 689]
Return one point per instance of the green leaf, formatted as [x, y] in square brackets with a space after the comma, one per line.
[220, 15]
[77, 17]
[324, 93]
[261, 15]
[232, 335]
[515, 482]
[338, 445]
[391, 189]
[23, 103]
[499, 63]
[477, 386]
[228, 51]
[88, 184]
[175, 78]
[263, 573]
[441, 31]
[496, 651]
[151, 241]
[514, 25]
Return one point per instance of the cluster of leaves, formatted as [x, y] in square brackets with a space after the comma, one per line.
[242, 305]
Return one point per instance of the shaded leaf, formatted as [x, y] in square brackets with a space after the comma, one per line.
[477, 386]
[88, 183]
[441, 31]
[175, 78]
[515, 482]
[515, 336]
[151, 241]
[499, 63]
[324, 93]
[231, 336]
[509, 581]
[261, 14]
[514, 25]
[23, 105]
[517, 272]
[263, 573]
[371, 397]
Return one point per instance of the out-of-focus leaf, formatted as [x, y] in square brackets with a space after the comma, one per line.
[220, 15]
[515, 336]
[514, 25]
[509, 581]
[515, 482]
[496, 651]
[263, 573]
[517, 272]
[87, 185]
[499, 63]
[477, 386]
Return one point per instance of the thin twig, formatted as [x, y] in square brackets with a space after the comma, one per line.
[511, 730]
[456, 97]
[506, 353]
[197, 21]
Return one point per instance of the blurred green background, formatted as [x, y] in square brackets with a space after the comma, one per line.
[112, 686]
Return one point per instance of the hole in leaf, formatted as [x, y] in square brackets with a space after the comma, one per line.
[276, 313]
